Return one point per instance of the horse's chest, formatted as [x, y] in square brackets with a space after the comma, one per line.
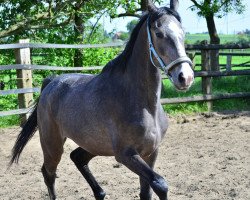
[145, 136]
[150, 141]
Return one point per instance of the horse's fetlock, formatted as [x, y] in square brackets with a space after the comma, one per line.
[160, 186]
[48, 178]
[100, 196]
[146, 196]
[118, 158]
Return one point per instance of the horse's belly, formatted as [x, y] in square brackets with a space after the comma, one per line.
[97, 143]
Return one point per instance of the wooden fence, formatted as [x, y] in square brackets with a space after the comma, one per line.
[24, 69]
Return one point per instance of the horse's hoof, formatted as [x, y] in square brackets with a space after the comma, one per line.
[100, 196]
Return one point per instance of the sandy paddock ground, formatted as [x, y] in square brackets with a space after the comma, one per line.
[202, 157]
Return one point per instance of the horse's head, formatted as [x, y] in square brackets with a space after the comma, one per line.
[166, 43]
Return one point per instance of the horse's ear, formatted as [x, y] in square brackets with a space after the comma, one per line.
[174, 4]
[151, 6]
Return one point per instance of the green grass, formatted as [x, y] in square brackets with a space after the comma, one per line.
[219, 86]
[231, 85]
[169, 91]
[8, 121]
[9, 102]
[197, 38]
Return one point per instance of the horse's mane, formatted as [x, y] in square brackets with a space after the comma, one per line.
[120, 62]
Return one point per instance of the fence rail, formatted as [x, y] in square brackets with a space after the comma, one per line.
[45, 67]
[205, 98]
[16, 112]
[19, 91]
[85, 46]
[58, 68]
[24, 65]
[58, 46]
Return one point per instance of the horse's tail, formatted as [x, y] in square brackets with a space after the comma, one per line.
[28, 130]
[24, 136]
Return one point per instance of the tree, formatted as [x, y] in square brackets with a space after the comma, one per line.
[247, 32]
[18, 17]
[131, 25]
[209, 9]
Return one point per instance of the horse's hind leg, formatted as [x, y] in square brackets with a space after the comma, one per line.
[49, 180]
[81, 159]
[52, 157]
[52, 145]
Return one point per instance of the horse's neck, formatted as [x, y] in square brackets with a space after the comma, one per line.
[144, 76]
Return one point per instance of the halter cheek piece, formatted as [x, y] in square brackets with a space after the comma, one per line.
[163, 66]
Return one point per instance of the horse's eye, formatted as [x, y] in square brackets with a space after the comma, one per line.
[159, 35]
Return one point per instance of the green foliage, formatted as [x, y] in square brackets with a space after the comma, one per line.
[218, 8]
[124, 36]
[131, 25]
[100, 56]
[30, 19]
[8, 102]
[247, 32]
[9, 121]
[243, 39]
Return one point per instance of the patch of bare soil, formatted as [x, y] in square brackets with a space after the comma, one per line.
[202, 157]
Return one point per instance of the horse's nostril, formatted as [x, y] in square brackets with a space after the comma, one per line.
[181, 78]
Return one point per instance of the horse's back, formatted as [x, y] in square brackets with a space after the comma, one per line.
[56, 91]
[60, 85]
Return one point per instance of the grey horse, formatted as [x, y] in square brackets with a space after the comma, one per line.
[118, 112]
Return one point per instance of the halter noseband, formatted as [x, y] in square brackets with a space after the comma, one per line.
[163, 66]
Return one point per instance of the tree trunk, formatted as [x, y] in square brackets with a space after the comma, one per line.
[79, 30]
[144, 5]
[214, 39]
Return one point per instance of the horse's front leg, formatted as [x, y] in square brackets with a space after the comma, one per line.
[131, 159]
[146, 191]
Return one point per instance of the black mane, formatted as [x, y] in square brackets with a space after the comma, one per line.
[121, 60]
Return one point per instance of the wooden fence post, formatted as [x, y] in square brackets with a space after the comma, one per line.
[206, 81]
[191, 55]
[24, 78]
[229, 63]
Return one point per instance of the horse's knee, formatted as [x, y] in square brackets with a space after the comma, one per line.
[125, 155]
[81, 157]
[160, 187]
[74, 155]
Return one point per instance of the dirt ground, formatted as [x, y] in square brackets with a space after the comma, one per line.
[205, 156]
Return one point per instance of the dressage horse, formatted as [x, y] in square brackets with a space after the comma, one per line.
[118, 112]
